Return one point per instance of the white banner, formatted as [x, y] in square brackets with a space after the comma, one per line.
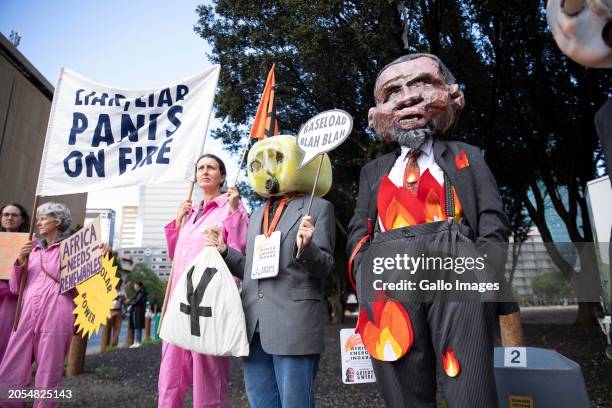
[100, 137]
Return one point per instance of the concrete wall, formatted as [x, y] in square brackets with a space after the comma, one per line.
[25, 102]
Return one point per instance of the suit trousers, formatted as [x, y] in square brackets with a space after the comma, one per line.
[466, 328]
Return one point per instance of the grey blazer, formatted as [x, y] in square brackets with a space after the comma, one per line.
[287, 309]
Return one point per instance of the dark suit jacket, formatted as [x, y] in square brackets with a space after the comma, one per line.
[288, 308]
[476, 189]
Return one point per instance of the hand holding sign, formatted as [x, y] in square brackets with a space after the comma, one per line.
[322, 133]
[305, 232]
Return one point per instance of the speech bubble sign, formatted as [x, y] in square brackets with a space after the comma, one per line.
[322, 133]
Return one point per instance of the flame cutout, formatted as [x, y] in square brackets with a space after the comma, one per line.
[452, 368]
[390, 336]
[397, 216]
[461, 160]
[352, 342]
[398, 207]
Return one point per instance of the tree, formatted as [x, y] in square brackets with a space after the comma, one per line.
[551, 286]
[526, 102]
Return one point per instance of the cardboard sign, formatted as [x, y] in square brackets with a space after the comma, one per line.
[266, 256]
[322, 133]
[356, 362]
[95, 299]
[80, 256]
[10, 246]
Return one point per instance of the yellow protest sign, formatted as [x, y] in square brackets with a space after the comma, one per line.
[10, 246]
[95, 298]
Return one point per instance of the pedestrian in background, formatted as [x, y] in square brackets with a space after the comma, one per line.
[137, 314]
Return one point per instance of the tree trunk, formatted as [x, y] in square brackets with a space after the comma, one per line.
[147, 329]
[587, 284]
[106, 335]
[585, 316]
[76, 356]
[129, 340]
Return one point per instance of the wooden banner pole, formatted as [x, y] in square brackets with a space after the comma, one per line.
[24, 271]
[244, 154]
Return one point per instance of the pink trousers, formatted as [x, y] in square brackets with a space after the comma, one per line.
[182, 368]
[8, 303]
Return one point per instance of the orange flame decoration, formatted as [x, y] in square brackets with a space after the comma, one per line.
[452, 368]
[390, 336]
[352, 342]
[461, 160]
[398, 207]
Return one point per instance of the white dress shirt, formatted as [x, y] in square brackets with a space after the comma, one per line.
[425, 161]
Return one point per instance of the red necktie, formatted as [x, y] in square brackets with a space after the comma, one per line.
[412, 173]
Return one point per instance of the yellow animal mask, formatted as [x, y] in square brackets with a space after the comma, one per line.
[272, 167]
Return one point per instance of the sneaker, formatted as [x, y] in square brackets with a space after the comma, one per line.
[135, 345]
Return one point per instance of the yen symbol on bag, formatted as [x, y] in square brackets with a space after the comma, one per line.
[194, 298]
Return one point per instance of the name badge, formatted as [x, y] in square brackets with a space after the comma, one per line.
[266, 256]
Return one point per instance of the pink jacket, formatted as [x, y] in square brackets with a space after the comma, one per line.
[184, 247]
[42, 301]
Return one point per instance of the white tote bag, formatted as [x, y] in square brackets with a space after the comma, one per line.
[205, 311]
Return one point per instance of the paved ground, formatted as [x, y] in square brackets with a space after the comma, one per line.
[128, 377]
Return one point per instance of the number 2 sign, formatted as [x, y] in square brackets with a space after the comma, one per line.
[515, 357]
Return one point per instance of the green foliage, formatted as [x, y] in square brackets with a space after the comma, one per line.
[551, 286]
[107, 373]
[153, 285]
[528, 106]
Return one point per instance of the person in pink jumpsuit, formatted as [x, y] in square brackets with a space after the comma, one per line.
[14, 219]
[45, 326]
[182, 368]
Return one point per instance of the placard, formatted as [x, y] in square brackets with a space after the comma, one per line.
[80, 256]
[356, 362]
[266, 256]
[10, 247]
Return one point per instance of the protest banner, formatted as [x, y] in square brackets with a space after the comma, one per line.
[10, 246]
[80, 256]
[101, 137]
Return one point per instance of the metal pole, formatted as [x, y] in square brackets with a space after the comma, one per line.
[297, 256]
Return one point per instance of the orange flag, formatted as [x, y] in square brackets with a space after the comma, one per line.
[265, 121]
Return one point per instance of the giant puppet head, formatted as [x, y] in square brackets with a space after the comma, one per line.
[583, 30]
[416, 97]
[272, 168]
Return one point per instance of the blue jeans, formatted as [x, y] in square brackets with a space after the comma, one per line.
[138, 335]
[274, 381]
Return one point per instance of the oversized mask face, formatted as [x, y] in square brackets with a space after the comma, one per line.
[582, 29]
[412, 100]
[272, 168]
